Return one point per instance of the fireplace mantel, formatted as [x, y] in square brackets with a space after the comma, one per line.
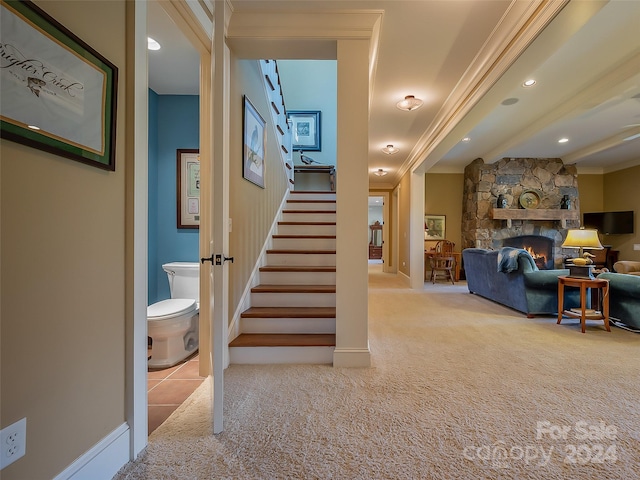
[510, 214]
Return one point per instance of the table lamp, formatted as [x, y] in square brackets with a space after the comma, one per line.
[582, 238]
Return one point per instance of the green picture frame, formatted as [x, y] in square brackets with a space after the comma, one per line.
[58, 94]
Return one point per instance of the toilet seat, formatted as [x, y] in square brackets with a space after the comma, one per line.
[171, 308]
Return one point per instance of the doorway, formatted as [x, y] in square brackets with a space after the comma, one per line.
[376, 223]
[174, 118]
[379, 232]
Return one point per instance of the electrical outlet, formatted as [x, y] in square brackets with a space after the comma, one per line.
[636, 246]
[13, 442]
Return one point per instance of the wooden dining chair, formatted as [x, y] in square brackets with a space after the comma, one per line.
[443, 265]
[443, 261]
[444, 248]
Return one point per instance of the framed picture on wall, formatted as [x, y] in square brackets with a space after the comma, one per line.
[58, 93]
[305, 130]
[254, 144]
[188, 188]
[434, 227]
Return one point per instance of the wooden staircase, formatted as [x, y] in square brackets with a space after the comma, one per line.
[292, 318]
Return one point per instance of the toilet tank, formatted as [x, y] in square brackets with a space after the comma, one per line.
[184, 279]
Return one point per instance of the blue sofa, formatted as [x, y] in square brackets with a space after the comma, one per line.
[624, 297]
[525, 288]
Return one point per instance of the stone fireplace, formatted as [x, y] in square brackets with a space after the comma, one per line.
[540, 248]
[549, 178]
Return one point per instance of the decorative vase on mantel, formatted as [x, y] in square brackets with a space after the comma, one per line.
[501, 202]
[565, 203]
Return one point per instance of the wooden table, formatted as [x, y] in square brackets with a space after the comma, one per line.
[431, 253]
[584, 314]
[327, 169]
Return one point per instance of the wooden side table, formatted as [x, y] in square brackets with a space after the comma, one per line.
[584, 314]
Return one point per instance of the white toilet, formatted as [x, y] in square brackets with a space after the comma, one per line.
[173, 323]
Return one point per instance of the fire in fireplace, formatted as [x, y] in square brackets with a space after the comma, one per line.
[540, 248]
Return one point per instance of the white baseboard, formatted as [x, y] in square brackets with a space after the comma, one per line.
[103, 460]
[351, 357]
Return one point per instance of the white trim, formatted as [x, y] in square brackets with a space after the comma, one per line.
[352, 357]
[103, 460]
[136, 319]
[405, 278]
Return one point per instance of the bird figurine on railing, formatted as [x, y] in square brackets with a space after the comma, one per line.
[308, 160]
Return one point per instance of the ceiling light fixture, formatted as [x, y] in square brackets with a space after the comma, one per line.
[152, 44]
[390, 150]
[33, 127]
[409, 103]
[466, 139]
[529, 83]
[563, 140]
[380, 172]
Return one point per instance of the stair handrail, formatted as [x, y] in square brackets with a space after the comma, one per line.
[281, 123]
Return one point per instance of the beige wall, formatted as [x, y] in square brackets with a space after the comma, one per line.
[443, 196]
[621, 193]
[63, 280]
[404, 221]
[614, 192]
[252, 209]
[591, 193]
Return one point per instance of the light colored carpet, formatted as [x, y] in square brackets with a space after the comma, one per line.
[459, 388]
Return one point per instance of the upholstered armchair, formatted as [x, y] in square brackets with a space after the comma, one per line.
[627, 266]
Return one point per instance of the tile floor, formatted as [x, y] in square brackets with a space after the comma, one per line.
[169, 387]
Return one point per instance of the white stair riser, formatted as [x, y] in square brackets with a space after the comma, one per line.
[306, 229]
[312, 196]
[288, 325]
[308, 217]
[271, 355]
[310, 259]
[304, 243]
[310, 206]
[293, 299]
[298, 278]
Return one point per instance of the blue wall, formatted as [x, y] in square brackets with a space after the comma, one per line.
[173, 124]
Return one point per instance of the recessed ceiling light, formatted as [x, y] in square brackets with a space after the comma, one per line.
[563, 140]
[529, 83]
[509, 101]
[380, 172]
[409, 103]
[34, 127]
[152, 44]
[390, 150]
[466, 139]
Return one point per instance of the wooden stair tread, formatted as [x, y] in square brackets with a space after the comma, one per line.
[284, 340]
[306, 223]
[305, 236]
[311, 201]
[294, 289]
[303, 252]
[309, 211]
[296, 268]
[289, 312]
[314, 192]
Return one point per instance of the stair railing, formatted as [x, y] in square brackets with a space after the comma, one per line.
[278, 110]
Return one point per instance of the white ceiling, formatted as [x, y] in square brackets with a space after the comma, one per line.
[586, 63]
